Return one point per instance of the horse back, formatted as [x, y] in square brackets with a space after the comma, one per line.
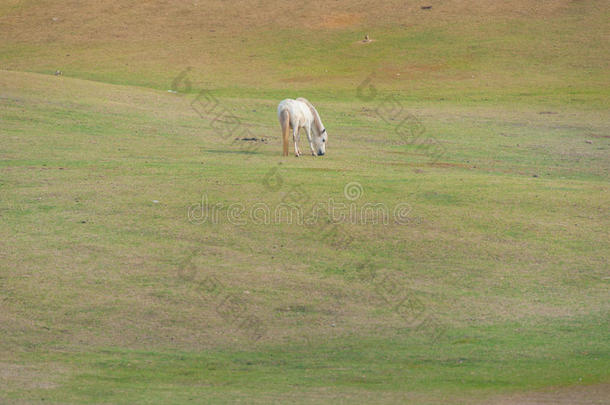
[300, 114]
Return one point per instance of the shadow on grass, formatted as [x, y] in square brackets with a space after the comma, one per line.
[236, 152]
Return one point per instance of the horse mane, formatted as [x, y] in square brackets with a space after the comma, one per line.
[316, 117]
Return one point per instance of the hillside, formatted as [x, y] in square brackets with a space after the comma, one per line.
[136, 261]
[539, 50]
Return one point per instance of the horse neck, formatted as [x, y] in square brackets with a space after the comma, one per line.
[317, 122]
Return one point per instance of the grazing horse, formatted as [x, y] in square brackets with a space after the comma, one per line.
[297, 114]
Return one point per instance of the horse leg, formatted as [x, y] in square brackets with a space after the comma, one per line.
[308, 130]
[295, 138]
[285, 123]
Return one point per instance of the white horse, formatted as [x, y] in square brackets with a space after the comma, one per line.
[297, 114]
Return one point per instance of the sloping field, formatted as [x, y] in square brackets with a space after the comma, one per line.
[152, 252]
[457, 50]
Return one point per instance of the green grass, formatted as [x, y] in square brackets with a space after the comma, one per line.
[466, 361]
[111, 289]
[109, 294]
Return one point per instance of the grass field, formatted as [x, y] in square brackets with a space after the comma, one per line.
[491, 286]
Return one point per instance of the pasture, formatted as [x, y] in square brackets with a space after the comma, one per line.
[487, 124]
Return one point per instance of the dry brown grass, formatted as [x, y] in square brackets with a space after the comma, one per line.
[48, 21]
[249, 43]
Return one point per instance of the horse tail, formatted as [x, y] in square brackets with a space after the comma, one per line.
[285, 124]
